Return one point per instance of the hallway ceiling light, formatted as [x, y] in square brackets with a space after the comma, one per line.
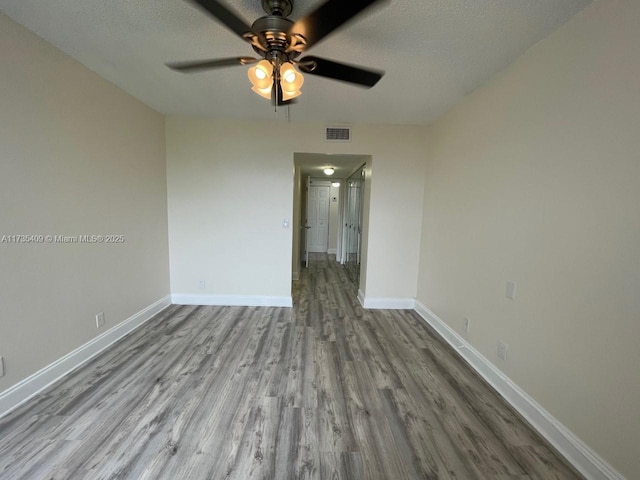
[329, 171]
[335, 184]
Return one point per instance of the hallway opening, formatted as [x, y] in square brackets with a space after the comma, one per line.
[346, 239]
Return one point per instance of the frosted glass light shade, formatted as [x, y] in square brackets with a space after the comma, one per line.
[289, 95]
[261, 75]
[263, 92]
[290, 80]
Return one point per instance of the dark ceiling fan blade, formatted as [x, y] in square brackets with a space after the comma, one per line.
[225, 15]
[197, 65]
[329, 16]
[340, 71]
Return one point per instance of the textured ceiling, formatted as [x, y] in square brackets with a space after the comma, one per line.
[433, 51]
[313, 164]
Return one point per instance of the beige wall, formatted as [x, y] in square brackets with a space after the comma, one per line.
[231, 183]
[535, 178]
[77, 156]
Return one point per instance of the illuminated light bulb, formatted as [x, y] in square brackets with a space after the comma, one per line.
[260, 77]
[329, 171]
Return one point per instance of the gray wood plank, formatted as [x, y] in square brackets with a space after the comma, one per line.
[325, 390]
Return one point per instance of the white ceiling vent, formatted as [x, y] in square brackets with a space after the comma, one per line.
[337, 134]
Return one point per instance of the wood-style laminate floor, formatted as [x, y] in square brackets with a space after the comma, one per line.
[325, 390]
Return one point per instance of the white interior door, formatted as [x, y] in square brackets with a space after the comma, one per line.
[317, 225]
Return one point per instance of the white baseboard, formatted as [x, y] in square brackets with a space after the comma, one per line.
[332, 251]
[232, 300]
[295, 276]
[383, 303]
[361, 297]
[581, 456]
[34, 384]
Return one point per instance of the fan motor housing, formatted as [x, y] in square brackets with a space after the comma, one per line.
[275, 32]
[280, 8]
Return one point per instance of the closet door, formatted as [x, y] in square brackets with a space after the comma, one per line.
[352, 229]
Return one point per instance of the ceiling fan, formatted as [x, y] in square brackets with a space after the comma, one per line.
[279, 41]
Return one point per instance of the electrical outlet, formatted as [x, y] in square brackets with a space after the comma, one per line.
[511, 290]
[1, 367]
[502, 350]
[467, 324]
[99, 319]
[202, 284]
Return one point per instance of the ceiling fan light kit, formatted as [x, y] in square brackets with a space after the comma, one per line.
[279, 41]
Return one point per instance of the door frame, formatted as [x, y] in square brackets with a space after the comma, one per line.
[311, 164]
